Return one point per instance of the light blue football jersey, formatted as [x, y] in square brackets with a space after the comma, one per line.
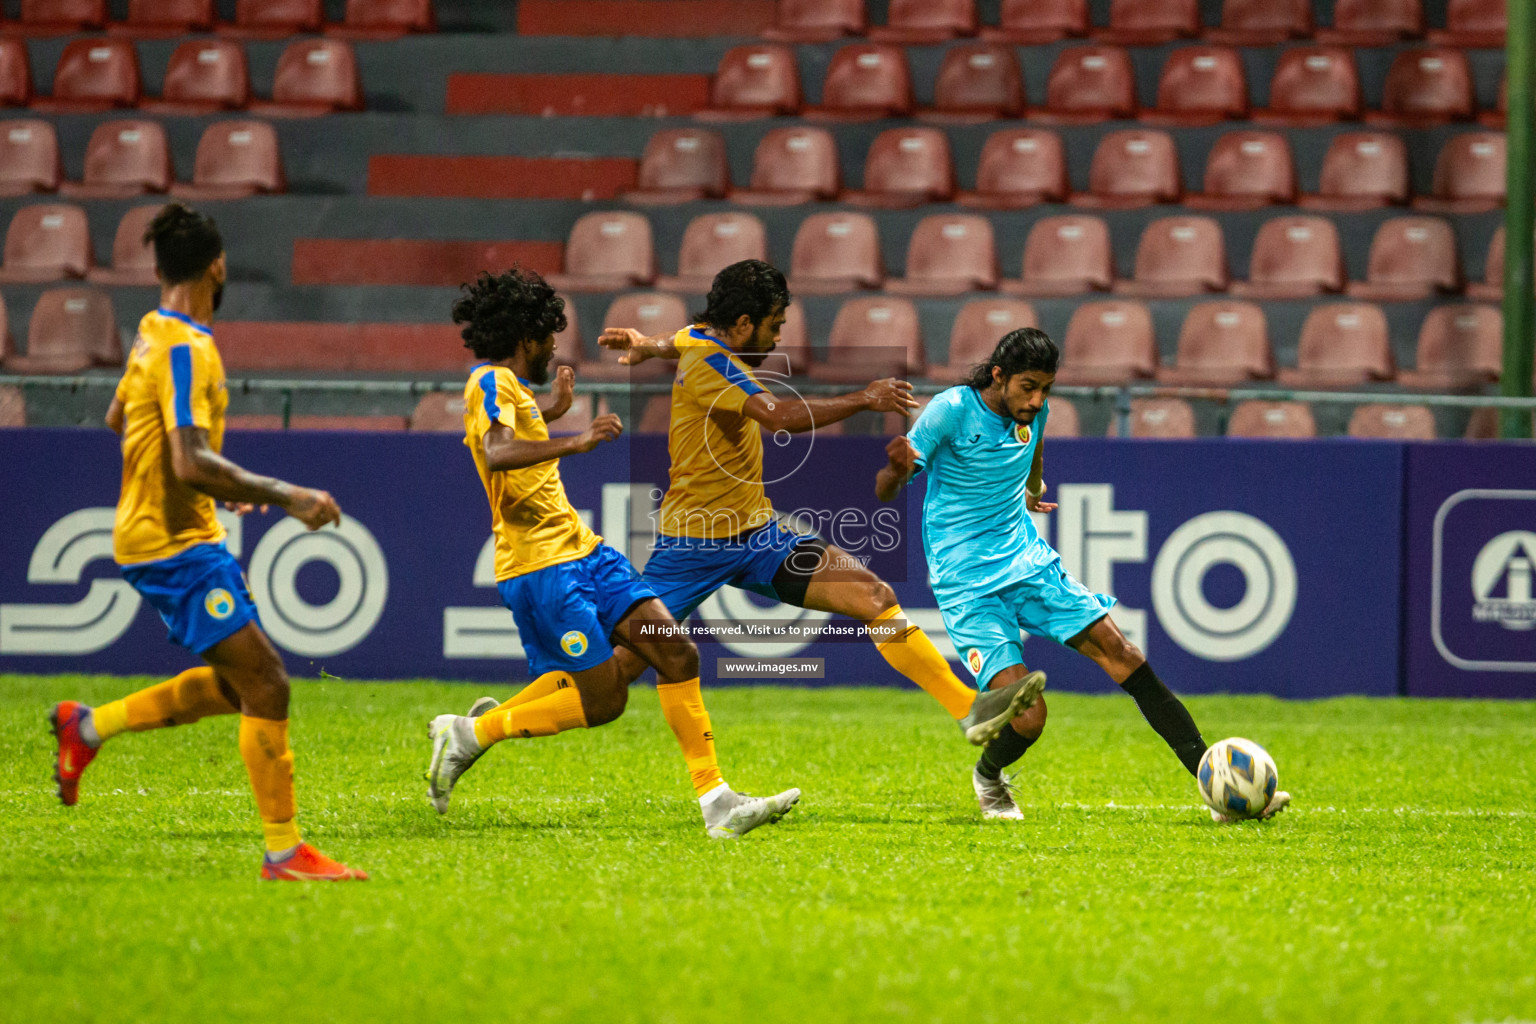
[977, 533]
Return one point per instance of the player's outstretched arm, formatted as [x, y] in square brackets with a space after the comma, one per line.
[900, 466]
[887, 395]
[636, 348]
[115, 418]
[561, 394]
[1034, 487]
[205, 470]
[505, 450]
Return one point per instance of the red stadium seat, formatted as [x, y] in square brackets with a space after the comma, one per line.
[1031, 22]
[1148, 22]
[949, 254]
[46, 243]
[1247, 171]
[15, 73]
[1160, 418]
[29, 158]
[133, 262]
[123, 159]
[865, 82]
[204, 76]
[1459, 347]
[873, 338]
[1469, 175]
[681, 165]
[1343, 344]
[712, 242]
[1063, 419]
[794, 347]
[906, 167]
[93, 75]
[754, 81]
[1282, 420]
[1499, 116]
[1392, 422]
[1312, 85]
[1065, 256]
[1424, 88]
[926, 21]
[1019, 167]
[440, 412]
[1089, 83]
[314, 77]
[817, 21]
[1132, 168]
[235, 159]
[13, 402]
[160, 18]
[977, 82]
[275, 19]
[61, 17]
[1362, 170]
[1179, 256]
[1108, 343]
[1262, 22]
[72, 329]
[568, 348]
[384, 19]
[1293, 258]
[650, 313]
[835, 253]
[793, 166]
[978, 327]
[6, 348]
[1491, 287]
[656, 415]
[1411, 258]
[1222, 344]
[607, 252]
[1373, 22]
[1473, 23]
[1200, 85]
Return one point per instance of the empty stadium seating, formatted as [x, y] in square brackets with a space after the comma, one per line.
[1262, 22]
[681, 165]
[314, 77]
[978, 327]
[1019, 167]
[384, 19]
[164, 18]
[1162, 418]
[650, 313]
[1031, 22]
[906, 167]
[72, 329]
[1472, 23]
[1179, 256]
[1221, 344]
[926, 21]
[1109, 342]
[123, 159]
[949, 255]
[1260, 419]
[1362, 170]
[1411, 258]
[712, 242]
[1425, 88]
[792, 166]
[865, 81]
[1374, 22]
[1491, 287]
[1460, 346]
[836, 252]
[15, 73]
[1293, 258]
[61, 17]
[275, 19]
[235, 159]
[29, 158]
[873, 338]
[1147, 22]
[1247, 170]
[1469, 175]
[1392, 422]
[754, 81]
[45, 243]
[1089, 83]
[1063, 420]
[809, 21]
[1342, 345]
[1065, 256]
[204, 76]
[1200, 85]
[1132, 168]
[977, 82]
[93, 75]
[1312, 85]
[133, 262]
[607, 252]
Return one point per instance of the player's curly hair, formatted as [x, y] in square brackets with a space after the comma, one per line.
[1020, 351]
[501, 312]
[751, 287]
[186, 243]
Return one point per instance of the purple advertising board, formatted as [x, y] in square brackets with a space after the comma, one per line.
[1470, 547]
[1243, 567]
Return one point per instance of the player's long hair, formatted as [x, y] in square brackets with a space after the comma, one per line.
[1020, 351]
[186, 243]
[500, 313]
[751, 287]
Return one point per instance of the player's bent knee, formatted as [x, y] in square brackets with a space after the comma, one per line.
[1032, 722]
[881, 598]
[604, 704]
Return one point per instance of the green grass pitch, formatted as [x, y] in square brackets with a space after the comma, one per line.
[572, 880]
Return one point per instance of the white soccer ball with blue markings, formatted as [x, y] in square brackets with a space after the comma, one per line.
[1237, 778]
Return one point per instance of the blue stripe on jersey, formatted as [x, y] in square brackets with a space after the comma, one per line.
[204, 328]
[732, 373]
[488, 388]
[694, 332]
[181, 383]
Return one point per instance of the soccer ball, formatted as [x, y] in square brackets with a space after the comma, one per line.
[1237, 778]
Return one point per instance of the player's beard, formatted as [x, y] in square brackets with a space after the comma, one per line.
[539, 372]
[218, 296]
[754, 357]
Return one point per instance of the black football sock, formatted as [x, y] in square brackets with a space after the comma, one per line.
[1002, 752]
[1167, 714]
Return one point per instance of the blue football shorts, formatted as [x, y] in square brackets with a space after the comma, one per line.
[200, 594]
[684, 571]
[566, 613]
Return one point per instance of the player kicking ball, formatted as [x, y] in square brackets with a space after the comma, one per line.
[717, 526]
[575, 599]
[169, 410]
[981, 444]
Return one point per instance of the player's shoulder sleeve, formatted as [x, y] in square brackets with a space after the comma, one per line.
[718, 379]
[691, 337]
[187, 381]
[936, 424]
[496, 392]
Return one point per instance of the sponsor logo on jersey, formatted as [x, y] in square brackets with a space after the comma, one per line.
[973, 661]
[219, 603]
[574, 643]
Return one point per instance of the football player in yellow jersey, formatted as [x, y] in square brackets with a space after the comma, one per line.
[575, 599]
[717, 526]
[169, 410]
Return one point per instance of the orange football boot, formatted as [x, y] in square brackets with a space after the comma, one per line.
[308, 864]
[73, 755]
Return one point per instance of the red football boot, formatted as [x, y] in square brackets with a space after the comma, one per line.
[309, 865]
[74, 755]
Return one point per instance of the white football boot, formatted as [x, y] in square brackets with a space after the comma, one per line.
[1277, 803]
[454, 749]
[996, 796]
[482, 705]
[994, 709]
[733, 815]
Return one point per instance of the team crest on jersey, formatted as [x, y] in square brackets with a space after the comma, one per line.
[574, 643]
[973, 661]
[219, 603]
[1023, 433]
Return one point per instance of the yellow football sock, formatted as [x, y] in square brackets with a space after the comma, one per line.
[545, 716]
[269, 763]
[543, 686]
[683, 706]
[188, 697]
[110, 719]
[911, 653]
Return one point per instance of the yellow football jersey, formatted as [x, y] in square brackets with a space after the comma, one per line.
[174, 378]
[534, 523]
[716, 487]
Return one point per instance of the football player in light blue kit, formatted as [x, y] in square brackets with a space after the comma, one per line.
[981, 444]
